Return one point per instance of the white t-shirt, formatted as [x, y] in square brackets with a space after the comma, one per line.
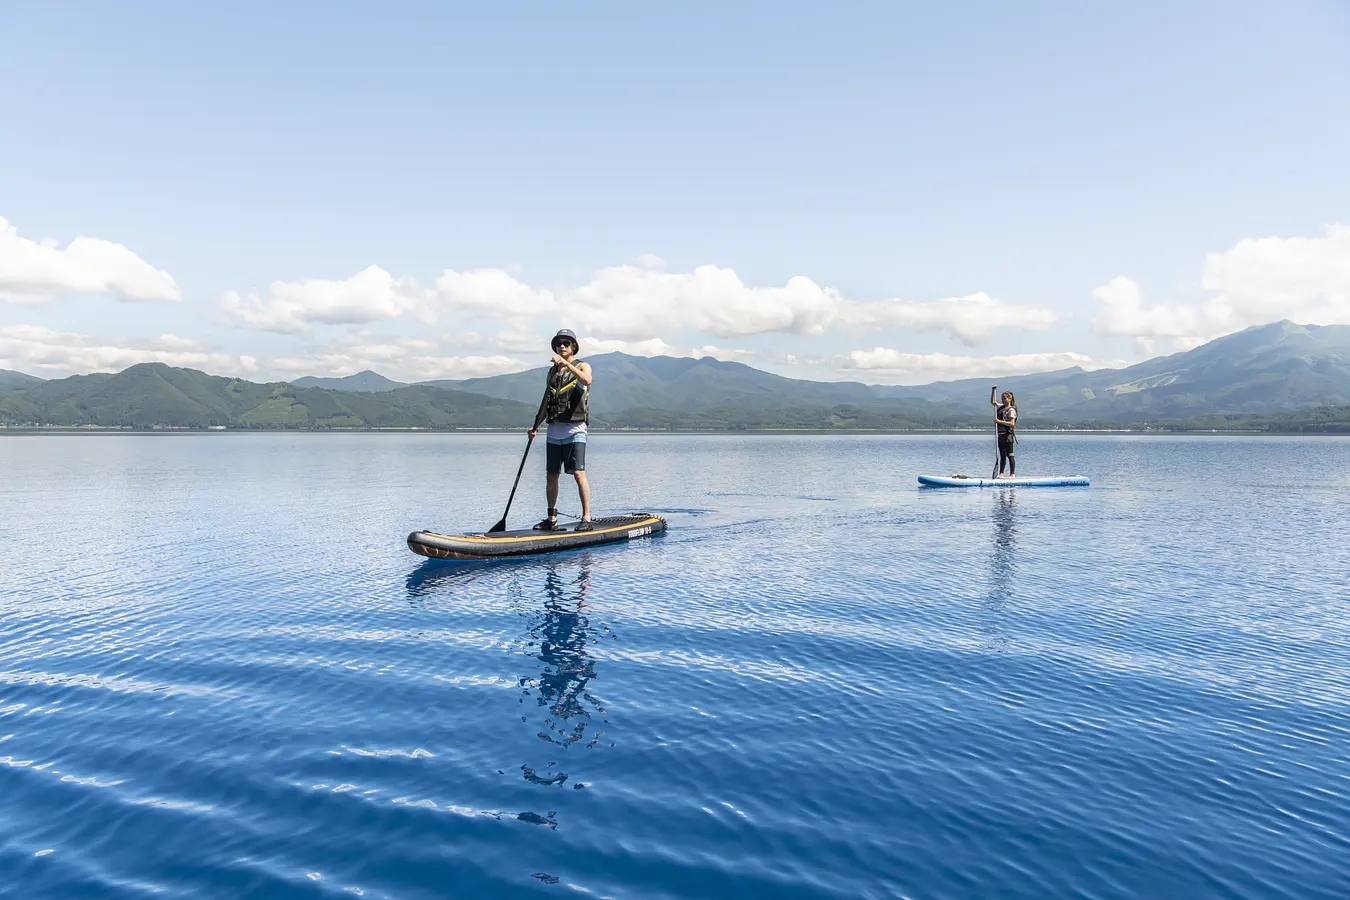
[567, 432]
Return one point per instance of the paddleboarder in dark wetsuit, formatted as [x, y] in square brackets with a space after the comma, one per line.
[566, 408]
[1005, 420]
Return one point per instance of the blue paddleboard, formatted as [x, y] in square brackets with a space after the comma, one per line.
[1020, 481]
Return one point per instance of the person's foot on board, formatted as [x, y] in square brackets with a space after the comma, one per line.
[585, 525]
[548, 524]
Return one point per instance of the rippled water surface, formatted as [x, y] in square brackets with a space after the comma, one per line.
[222, 674]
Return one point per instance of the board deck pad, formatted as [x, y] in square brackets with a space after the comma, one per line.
[527, 541]
[1020, 481]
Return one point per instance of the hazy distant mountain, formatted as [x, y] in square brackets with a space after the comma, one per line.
[10, 378]
[362, 382]
[153, 394]
[687, 385]
[1264, 369]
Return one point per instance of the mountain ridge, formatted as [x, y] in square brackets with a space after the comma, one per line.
[1265, 370]
[151, 395]
[1278, 367]
[364, 382]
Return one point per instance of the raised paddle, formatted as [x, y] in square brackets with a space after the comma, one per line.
[539, 417]
[992, 391]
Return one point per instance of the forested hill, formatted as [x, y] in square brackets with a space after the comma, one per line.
[1280, 376]
[153, 394]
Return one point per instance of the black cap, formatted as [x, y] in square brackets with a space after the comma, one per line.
[567, 333]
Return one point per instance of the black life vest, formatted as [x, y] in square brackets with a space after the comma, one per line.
[568, 399]
[1003, 430]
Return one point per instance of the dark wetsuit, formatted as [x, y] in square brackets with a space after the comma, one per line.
[1007, 438]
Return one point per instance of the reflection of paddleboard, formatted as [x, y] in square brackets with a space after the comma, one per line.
[1019, 481]
[528, 541]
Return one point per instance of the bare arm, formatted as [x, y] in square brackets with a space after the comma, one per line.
[581, 370]
[540, 415]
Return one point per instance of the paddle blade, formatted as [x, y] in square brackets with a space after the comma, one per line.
[500, 526]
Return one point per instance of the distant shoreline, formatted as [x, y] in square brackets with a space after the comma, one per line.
[32, 431]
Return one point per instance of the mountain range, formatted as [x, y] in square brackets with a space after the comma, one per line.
[153, 394]
[1266, 371]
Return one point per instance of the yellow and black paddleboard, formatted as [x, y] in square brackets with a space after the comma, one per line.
[528, 541]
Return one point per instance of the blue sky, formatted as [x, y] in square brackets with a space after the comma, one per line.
[959, 189]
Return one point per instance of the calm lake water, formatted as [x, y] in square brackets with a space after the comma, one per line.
[222, 674]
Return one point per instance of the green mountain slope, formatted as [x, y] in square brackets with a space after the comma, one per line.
[154, 394]
[681, 384]
[363, 382]
[10, 378]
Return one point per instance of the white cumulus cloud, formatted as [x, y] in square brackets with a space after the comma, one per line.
[35, 271]
[1262, 279]
[54, 354]
[292, 306]
[632, 303]
[1124, 313]
[492, 292]
[400, 358]
[972, 319]
[918, 368]
[1258, 280]
[649, 347]
[625, 303]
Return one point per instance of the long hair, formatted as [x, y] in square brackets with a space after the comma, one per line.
[1012, 401]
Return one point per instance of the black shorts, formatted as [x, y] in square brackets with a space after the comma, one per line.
[569, 458]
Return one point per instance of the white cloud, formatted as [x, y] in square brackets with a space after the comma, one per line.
[492, 292]
[626, 303]
[55, 354]
[367, 296]
[972, 319]
[393, 362]
[1258, 280]
[521, 342]
[1123, 313]
[918, 368]
[634, 303]
[427, 368]
[42, 351]
[401, 358]
[1263, 279]
[35, 271]
[650, 347]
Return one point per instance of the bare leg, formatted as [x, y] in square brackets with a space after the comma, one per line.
[552, 493]
[583, 491]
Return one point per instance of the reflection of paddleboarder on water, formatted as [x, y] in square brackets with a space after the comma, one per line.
[1002, 562]
[1005, 423]
[562, 636]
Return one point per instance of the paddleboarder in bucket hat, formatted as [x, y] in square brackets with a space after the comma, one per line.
[566, 409]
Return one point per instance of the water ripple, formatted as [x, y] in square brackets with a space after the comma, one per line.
[822, 682]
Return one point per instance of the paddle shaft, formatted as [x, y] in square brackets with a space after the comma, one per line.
[992, 391]
[501, 526]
